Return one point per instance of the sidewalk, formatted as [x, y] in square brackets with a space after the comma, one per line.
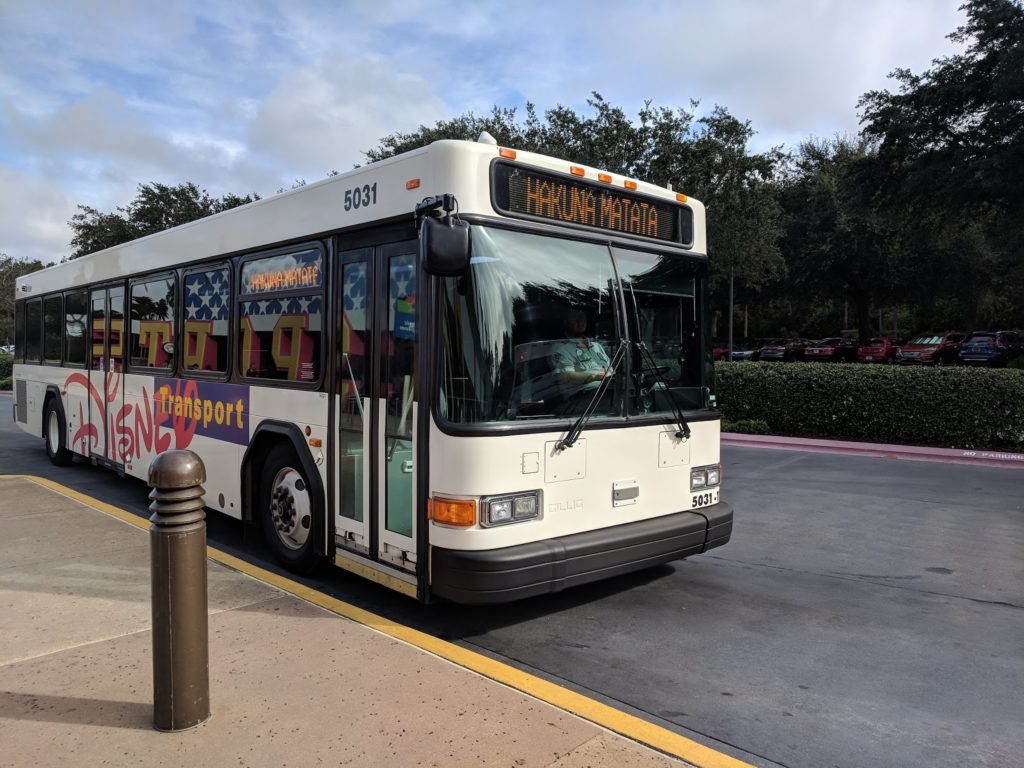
[290, 682]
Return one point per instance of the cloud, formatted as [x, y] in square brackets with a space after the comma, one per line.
[238, 97]
[790, 66]
[324, 115]
[33, 218]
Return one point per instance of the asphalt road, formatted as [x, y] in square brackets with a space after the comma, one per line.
[867, 613]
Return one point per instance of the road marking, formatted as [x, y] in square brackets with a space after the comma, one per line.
[620, 722]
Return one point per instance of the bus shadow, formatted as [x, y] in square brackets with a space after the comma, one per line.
[452, 622]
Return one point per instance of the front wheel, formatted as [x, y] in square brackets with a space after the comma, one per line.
[288, 510]
[56, 434]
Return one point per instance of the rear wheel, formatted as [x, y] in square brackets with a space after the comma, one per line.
[56, 434]
[288, 509]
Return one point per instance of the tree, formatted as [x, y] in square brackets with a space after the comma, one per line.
[841, 242]
[156, 207]
[952, 139]
[10, 270]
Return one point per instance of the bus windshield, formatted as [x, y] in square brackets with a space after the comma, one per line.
[532, 329]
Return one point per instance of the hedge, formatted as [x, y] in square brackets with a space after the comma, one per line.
[6, 366]
[956, 407]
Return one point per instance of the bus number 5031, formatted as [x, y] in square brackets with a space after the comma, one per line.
[361, 197]
[705, 499]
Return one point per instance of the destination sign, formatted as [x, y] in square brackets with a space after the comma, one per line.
[283, 272]
[525, 191]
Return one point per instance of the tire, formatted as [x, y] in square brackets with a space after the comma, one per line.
[288, 510]
[55, 433]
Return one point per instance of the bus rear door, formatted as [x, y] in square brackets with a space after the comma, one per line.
[106, 372]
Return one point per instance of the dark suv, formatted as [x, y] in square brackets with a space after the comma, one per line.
[930, 349]
[994, 349]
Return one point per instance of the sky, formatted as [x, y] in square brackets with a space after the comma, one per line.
[98, 96]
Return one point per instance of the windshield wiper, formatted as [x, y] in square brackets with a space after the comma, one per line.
[648, 358]
[577, 428]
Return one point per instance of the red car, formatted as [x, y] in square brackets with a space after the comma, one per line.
[832, 350]
[930, 349]
[878, 350]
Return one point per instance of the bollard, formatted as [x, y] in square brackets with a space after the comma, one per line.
[177, 538]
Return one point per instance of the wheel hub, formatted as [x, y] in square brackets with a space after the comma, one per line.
[290, 508]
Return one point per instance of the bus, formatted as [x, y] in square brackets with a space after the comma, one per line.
[466, 372]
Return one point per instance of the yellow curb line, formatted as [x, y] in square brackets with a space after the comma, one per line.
[620, 722]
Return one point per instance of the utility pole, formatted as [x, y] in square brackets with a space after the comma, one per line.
[730, 309]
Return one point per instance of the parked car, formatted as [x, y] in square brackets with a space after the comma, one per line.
[719, 350]
[880, 349]
[743, 352]
[994, 349]
[781, 350]
[832, 350]
[930, 349]
[7, 349]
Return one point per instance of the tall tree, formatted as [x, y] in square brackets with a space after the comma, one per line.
[841, 243]
[156, 207]
[953, 140]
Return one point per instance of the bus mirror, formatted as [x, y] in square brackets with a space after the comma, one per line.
[444, 246]
[169, 348]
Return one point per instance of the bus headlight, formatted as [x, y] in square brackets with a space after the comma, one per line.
[510, 508]
[705, 477]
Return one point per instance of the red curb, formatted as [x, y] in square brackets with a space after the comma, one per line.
[881, 450]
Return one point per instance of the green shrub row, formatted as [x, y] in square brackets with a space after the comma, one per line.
[6, 366]
[956, 407]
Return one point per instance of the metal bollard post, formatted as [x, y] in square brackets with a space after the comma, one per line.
[177, 538]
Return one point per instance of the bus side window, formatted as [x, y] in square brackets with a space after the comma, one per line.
[204, 341]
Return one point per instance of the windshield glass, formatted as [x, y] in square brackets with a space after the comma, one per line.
[530, 330]
[662, 306]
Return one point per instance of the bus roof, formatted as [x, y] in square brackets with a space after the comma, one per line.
[378, 192]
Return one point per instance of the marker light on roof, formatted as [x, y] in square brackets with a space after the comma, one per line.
[606, 178]
[575, 170]
[509, 154]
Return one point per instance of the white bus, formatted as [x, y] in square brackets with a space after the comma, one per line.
[465, 372]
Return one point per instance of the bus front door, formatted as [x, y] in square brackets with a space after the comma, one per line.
[106, 372]
[375, 407]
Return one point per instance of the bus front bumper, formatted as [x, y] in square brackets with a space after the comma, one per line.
[512, 573]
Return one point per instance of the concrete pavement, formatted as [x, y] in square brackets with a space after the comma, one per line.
[976, 457]
[291, 683]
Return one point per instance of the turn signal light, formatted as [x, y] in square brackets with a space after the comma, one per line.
[457, 512]
[412, 184]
